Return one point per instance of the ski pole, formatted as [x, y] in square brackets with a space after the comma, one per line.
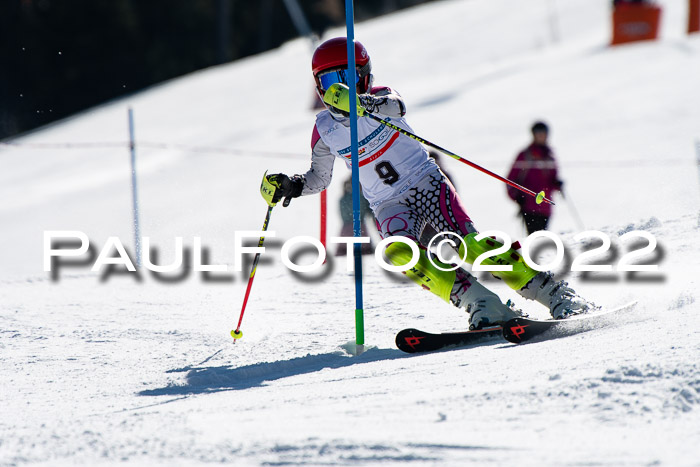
[237, 333]
[539, 197]
[573, 209]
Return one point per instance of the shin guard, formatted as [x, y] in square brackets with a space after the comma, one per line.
[424, 273]
[515, 279]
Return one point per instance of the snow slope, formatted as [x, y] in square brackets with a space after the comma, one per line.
[106, 370]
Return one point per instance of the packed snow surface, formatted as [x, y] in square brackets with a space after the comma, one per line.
[101, 368]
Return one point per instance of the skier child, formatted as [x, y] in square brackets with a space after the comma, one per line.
[408, 193]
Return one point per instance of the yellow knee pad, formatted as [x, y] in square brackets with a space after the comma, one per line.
[424, 272]
[515, 279]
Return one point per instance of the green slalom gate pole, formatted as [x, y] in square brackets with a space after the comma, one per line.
[357, 221]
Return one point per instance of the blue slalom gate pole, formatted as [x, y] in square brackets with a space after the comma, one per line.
[356, 219]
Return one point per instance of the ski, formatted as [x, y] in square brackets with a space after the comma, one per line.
[519, 330]
[414, 340]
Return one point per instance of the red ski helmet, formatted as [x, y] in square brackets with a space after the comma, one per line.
[332, 55]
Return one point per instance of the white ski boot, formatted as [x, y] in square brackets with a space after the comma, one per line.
[561, 299]
[484, 307]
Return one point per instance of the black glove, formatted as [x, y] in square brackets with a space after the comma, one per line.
[287, 188]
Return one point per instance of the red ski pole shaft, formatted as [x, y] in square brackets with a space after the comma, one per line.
[237, 334]
[539, 196]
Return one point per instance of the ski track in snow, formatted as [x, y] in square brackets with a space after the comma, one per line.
[104, 371]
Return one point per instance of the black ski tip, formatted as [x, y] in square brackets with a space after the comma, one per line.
[414, 340]
[519, 330]
[409, 340]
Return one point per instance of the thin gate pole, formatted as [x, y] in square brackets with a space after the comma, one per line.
[134, 191]
[357, 247]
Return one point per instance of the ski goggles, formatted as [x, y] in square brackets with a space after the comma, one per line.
[336, 76]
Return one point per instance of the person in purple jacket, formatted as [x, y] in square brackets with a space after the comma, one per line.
[535, 168]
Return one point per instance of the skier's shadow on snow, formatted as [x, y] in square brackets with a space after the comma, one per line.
[203, 380]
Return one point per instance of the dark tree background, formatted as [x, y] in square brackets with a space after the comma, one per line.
[60, 56]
